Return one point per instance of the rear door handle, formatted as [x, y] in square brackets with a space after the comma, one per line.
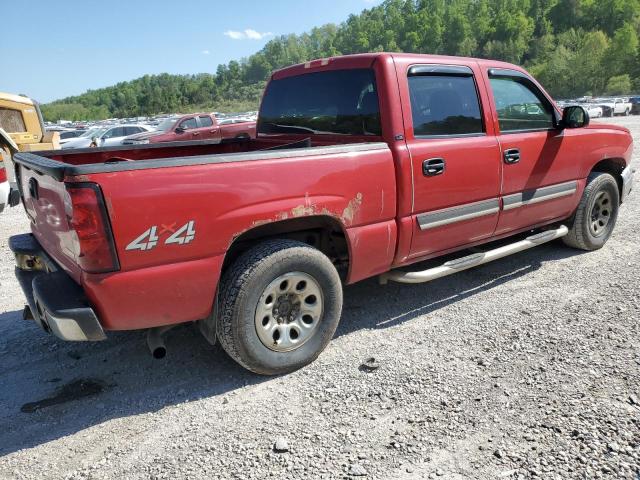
[511, 156]
[433, 167]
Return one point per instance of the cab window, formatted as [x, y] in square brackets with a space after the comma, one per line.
[520, 105]
[11, 121]
[444, 105]
[189, 123]
[205, 121]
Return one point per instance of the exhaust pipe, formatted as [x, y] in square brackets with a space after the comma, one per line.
[155, 342]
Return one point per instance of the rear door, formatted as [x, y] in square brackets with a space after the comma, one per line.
[208, 130]
[540, 166]
[455, 158]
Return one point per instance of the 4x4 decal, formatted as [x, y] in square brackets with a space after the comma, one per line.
[149, 239]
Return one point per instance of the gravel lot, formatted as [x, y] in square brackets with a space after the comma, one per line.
[525, 368]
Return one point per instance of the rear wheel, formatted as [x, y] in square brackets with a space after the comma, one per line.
[596, 215]
[280, 304]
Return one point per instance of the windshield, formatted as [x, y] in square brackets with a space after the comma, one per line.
[343, 102]
[167, 124]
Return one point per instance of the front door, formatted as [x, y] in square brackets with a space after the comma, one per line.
[540, 168]
[455, 160]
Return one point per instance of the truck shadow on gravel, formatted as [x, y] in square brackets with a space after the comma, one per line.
[51, 389]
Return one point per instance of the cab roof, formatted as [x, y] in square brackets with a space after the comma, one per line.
[16, 98]
[366, 60]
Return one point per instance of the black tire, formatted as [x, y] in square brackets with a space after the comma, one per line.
[581, 234]
[626, 112]
[241, 289]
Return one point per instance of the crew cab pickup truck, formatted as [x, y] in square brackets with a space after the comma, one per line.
[363, 165]
[197, 126]
[614, 106]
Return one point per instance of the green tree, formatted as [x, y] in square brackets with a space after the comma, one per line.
[619, 85]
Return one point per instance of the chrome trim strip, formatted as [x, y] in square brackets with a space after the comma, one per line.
[455, 214]
[528, 197]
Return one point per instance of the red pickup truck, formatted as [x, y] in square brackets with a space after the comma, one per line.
[362, 164]
[195, 126]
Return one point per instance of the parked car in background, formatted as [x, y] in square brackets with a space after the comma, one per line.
[594, 111]
[635, 105]
[613, 106]
[106, 136]
[195, 126]
[70, 135]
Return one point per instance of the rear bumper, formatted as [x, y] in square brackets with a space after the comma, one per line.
[56, 302]
[627, 182]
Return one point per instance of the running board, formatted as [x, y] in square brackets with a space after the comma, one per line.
[473, 260]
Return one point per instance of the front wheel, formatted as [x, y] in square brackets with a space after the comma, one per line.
[279, 306]
[596, 215]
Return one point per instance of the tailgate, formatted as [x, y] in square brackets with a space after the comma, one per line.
[47, 204]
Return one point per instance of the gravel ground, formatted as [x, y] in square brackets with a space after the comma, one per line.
[528, 367]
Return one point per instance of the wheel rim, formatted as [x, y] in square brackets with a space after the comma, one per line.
[601, 214]
[289, 311]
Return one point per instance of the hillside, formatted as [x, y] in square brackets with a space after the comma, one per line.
[574, 47]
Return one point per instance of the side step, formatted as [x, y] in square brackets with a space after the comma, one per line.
[473, 260]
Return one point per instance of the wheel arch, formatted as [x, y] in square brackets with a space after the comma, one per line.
[323, 232]
[613, 166]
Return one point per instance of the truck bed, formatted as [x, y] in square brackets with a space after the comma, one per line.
[60, 164]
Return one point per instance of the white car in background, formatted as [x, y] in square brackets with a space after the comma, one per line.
[105, 136]
[594, 111]
[613, 106]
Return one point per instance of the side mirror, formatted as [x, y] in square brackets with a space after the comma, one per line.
[180, 130]
[574, 116]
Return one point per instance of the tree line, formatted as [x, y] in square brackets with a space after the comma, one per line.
[573, 47]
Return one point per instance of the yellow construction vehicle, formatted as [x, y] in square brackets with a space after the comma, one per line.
[20, 117]
[21, 129]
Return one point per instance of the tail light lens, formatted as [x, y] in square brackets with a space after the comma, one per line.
[96, 250]
[3, 174]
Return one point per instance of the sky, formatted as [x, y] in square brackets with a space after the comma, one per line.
[62, 48]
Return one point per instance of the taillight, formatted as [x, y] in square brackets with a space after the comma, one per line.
[96, 250]
[3, 174]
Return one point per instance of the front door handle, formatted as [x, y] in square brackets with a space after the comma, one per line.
[433, 167]
[511, 156]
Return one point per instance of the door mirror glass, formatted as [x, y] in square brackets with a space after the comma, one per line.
[574, 116]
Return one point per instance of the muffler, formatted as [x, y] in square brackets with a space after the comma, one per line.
[155, 342]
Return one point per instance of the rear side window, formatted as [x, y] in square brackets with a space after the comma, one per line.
[343, 102]
[520, 105]
[444, 105]
[11, 121]
[205, 122]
